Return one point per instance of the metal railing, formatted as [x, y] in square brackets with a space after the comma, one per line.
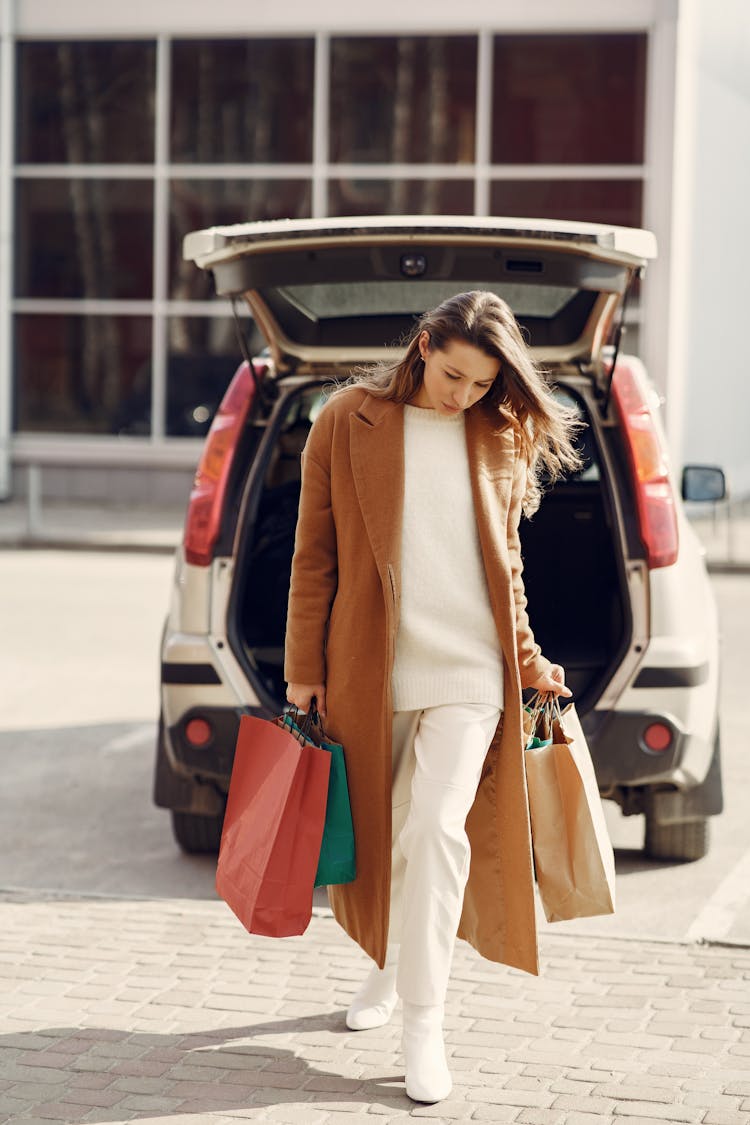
[724, 530]
[36, 457]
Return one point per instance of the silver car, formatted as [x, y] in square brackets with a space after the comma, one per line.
[636, 627]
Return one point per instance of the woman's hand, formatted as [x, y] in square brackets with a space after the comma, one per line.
[553, 681]
[301, 695]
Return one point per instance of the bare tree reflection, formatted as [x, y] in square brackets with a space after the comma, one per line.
[403, 110]
[437, 128]
[97, 381]
[249, 101]
[404, 100]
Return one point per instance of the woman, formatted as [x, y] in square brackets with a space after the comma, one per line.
[407, 624]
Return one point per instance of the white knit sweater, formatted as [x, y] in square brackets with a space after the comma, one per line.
[447, 648]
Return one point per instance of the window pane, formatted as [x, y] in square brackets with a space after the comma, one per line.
[84, 238]
[83, 374]
[203, 356]
[195, 204]
[401, 197]
[236, 100]
[569, 99]
[86, 102]
[593, 201]
[407, 100]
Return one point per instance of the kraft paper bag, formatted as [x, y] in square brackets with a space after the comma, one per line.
[273, 828]
[573, 857]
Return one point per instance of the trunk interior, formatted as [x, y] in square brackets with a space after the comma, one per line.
[577, 608]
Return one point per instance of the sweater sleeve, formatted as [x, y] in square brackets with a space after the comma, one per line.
[530, 660]
[314, 576]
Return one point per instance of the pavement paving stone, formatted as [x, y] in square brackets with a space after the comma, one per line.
[578, 1118]
[571, 1035]
[503, 1113]
[661, 1113]
[625, 1120]
[448, 1110]
[722, 1117]
[118, 1015]
[541, 1117]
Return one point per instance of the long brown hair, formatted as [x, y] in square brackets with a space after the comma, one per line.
[520, 393]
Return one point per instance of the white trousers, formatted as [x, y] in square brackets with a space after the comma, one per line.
[438, 754]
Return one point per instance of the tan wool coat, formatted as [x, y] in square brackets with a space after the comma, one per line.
[341, 631]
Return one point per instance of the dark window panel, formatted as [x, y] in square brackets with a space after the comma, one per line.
[86, 102]
[594, 201]
[202, 358]
[569, 99]
[84, 238]
[83, 374]
[403, 100]
[401, 197]
[237, 100]
[195, 204]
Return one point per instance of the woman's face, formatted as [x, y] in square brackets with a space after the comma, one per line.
[455, 377]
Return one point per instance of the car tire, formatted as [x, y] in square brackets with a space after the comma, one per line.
[197, 835]
[684, 839]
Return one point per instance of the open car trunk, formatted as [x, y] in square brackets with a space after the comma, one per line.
[337, 292]
[329, 294]
[578, 606]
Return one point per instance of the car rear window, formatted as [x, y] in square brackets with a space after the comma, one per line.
[376, 298]
[365, 314]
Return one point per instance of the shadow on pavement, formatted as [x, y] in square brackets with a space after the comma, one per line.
[198, 1072]
[82, 818]
[628, 861]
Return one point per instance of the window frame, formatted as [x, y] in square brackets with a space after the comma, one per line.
[655, 172]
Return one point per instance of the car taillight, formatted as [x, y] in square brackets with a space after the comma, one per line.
[657, 737]
[203, 518]
[657, 518]
[198, 732]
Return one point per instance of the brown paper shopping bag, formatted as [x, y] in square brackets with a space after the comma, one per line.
[573, 857]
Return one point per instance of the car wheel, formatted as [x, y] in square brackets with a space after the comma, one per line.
[197, 835]
[684, 839]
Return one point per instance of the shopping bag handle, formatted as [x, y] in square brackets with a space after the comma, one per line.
[544, 705]
[310, 727]
[540, 702]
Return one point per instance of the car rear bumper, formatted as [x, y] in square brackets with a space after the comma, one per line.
[622, 758]
[211, 760]
[615, 738]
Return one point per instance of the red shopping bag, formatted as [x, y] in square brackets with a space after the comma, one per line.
[273, 828]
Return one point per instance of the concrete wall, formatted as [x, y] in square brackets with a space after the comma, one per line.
[717, 398]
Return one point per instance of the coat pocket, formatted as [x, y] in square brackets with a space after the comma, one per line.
[392, 584]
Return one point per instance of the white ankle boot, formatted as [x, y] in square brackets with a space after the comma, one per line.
[373, 1005]
[427, 1076]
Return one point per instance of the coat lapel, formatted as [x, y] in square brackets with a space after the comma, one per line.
[377, 453]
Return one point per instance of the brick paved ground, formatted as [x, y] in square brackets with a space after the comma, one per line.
[167, 1011]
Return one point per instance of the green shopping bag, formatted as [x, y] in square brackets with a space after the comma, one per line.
[337, 859]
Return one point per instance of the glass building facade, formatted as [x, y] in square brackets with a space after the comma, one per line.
[122, 145]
